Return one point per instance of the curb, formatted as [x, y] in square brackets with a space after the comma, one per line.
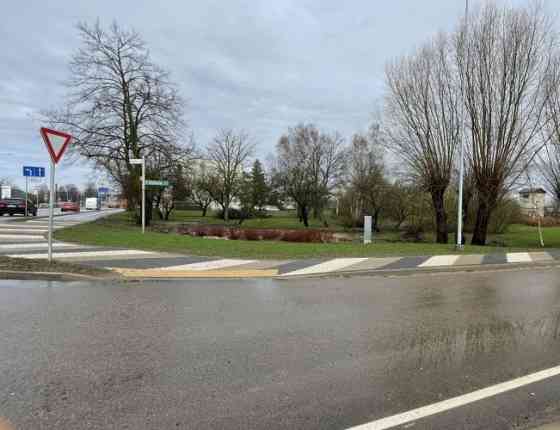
[50, 276]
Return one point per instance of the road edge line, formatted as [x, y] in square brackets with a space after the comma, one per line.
[455, 402]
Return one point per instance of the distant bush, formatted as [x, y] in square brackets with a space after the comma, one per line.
[232, 214]
[506, 213]
[413, 233]
[547, 221]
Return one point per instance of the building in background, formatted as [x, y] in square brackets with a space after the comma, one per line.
[532, 202]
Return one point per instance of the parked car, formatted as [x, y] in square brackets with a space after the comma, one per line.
[69, 207]
[93, 204]
[17, 206]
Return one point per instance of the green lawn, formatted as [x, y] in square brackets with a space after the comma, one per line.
[523, 236]
[279, 219]
[118, 231]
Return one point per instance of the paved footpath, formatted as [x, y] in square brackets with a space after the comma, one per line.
[27, 239]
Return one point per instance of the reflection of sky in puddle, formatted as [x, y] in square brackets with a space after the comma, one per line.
[35, 284]
[448, 346]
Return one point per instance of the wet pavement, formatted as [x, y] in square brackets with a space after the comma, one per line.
[294, 354]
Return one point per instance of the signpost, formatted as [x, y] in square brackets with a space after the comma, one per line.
[56, 142]
[34, 172]
[154, 183]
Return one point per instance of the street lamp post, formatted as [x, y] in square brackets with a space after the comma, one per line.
[462, 154]
[142, 162]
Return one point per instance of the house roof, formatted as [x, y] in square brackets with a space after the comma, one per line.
[537, 190]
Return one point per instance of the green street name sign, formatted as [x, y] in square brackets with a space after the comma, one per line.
[153, 183]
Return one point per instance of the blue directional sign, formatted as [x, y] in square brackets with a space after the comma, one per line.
[38, 172]
[103, 190]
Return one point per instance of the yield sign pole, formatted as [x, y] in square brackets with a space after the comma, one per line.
[56, 143]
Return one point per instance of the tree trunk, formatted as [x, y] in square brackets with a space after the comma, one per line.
[226, 213]
[305, 216]
[204, 210]
[438, 201]
[483, 214]
[375, 221]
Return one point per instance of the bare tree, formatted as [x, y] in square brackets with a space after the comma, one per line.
[400, 198]
[548, 159]
[121, 106]
[367, 176]
[423, 122]
[201, 186]
[228, 153]
[504, 61]
[549, 167]
[309, 166]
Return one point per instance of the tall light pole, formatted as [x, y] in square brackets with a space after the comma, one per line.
[142, 162]
[463, 137]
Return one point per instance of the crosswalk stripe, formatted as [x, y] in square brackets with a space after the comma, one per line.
[40, 245]
[518, 257]
[86, 254]
[19, 236]
[21, 230]
[327, 266]
[440, 260]
[208, 265]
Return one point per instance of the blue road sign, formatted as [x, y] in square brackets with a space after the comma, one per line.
[38, 172]
[103, 190]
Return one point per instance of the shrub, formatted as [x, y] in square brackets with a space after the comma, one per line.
[252, 234]
[234, 214]
[506, 213]
[547, 221]
[413, 233]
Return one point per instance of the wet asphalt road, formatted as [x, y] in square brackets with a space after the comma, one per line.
[305, 354]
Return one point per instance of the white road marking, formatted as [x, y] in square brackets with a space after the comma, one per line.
[37, 245]
[327, 266]
[455, 402]
[21, 230]
[19, 236]
[440, 260]
[86, 254]
[519, 257]
[209, 265]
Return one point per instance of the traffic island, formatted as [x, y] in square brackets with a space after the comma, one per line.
[24, 268]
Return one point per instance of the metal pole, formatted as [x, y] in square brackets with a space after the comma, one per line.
[462, 151]
[143, 195]
[51, 211]
[26, 186]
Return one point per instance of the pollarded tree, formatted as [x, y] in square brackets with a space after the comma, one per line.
[423, 120]
[121, 106]
[504, 60]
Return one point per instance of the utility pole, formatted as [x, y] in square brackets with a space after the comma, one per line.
[462, 151]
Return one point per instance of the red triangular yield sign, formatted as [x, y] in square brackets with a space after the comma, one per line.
[56, 142]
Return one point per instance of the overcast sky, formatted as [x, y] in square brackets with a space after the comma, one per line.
[260, 65]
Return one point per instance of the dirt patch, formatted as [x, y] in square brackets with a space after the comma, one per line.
[39, 265]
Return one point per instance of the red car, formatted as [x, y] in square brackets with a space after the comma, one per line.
[69, 207]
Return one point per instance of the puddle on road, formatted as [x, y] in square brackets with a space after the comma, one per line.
[8, 283]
